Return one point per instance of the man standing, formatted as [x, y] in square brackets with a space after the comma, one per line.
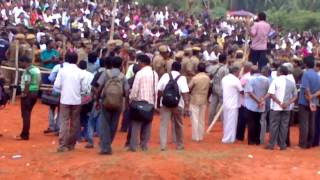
[310, 84]
[199, 88]
[283, 93]
[175, 112]
[255, 89]
[231, 88]
[241, 125]
[259, 33]
[159, 63]
[113, 86]
[70, 83]
[30, 85]
[216, 74]
[144, 89]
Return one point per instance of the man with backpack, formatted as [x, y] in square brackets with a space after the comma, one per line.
[199, 88]
[113, 87]
[171, 87]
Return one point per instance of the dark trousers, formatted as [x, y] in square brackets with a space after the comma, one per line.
[27, 104]
[84, 116]
[70, 125]
[125, 120]
[258, 57]
[254, 126]
[279, 126]
[108, 127]
[317, 129]
[241, 126]
[140, 130]
[307, 126]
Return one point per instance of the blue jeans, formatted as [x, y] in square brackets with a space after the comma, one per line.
[93, 120]
[54, 124]
[108, 127]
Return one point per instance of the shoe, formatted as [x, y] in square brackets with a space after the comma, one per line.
[105, 153]
[89, 146]
[71, 148]
[180, 148]
[131, 150]
[283, 148]
[21, 138]
[163, 149]
[144, 148]
[48, 131]
[62, 149]
[268, 147]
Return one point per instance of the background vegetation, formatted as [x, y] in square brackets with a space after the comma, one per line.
[289, 14]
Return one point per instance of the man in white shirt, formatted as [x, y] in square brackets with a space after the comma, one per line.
[231, 88]
[70, 83]
[283, 93]
[173, 113]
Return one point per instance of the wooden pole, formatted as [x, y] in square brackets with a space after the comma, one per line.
[16, 74]
[113, 19]
[244, 59]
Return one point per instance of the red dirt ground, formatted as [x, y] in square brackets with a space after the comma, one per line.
[207, 160]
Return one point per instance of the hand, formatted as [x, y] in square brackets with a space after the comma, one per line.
[308, 97]
[261, 104]
[284, 105]
[313, 107]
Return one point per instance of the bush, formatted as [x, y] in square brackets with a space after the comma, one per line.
[295, 20]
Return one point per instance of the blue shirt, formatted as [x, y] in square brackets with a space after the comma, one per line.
[258, 85]
[310, 80]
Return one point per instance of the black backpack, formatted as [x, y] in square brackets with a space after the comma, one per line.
[171, 94]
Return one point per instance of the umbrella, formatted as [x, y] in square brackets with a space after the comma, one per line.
[241, 13]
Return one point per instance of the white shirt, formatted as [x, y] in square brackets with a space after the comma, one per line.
[182, 83]
[231, 87]
[70, 83]
[88, 77]
[278, 89]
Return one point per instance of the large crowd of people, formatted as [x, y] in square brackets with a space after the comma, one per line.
[149, 60]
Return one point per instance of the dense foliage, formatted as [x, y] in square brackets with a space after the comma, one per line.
[289, 14]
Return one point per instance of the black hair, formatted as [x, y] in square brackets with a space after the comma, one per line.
[201, 67]
[222, 58]
[136, 68]
[25, 59]
[102, 62]
[234, 69]
[283, 70]
[144, 59]
[176, 66]
[49, 41]
[82, 65]
[309, 62]
[107, 62]
[262, 16]
[92, 57]
[72, 57]
[116, 62]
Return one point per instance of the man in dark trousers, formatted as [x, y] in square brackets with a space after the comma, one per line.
[259, 33]
[30, 85]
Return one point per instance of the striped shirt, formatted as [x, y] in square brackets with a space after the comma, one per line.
[145, 86]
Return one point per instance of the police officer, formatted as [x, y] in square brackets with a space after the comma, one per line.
[159, 63]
